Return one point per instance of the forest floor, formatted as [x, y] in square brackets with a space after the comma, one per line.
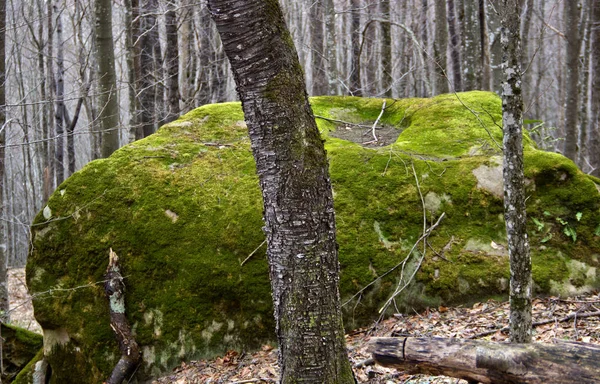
[573, 319]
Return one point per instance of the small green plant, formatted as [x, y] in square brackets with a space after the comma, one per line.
[597, 231]
[568, 230]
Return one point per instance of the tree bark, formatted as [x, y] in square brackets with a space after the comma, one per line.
[172, 63]
[595, 123]
[147, 89]
[59, 111]
[471, 46]
[486, 69]
[440, 48]
[489, 362]
[386, 49]
[3, 247]
[454, 47]
[296, 189]
[107, 81]
[572, 81]
[355, 75]
[114, 287]
[320, 84]
[514, 180]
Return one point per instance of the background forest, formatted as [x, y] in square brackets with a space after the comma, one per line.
[168, 60]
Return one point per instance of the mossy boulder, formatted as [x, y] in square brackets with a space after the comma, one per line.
[182, 209]
[19, 346]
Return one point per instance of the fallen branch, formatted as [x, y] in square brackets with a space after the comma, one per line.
[538, 323]
[130, 351]
[489, 362]
[375, 140]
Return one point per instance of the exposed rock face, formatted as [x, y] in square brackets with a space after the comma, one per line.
[182, 209]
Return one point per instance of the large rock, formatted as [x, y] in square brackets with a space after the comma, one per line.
[182, 209]
[19, 346]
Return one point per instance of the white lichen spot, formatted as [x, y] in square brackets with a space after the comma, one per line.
[172, 215]
[507, 89]
[509, 119]
[62, 192]
[47, 212]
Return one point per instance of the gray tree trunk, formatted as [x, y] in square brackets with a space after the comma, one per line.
[386, 49]
[486, 69]
[148, 74]
[572, 80]
[471, 46]
[440, 48]
[355, 76]
[3, 254]
[514, 180]
[59, 112]
[454, 47]
[107, 81]
[172, 63]
[594, 148]
[296, 189]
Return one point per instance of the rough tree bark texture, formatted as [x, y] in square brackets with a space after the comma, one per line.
[514, 191]
[484, 39]
[572, 82]
[107, 79]
[386, 49]
[114, 287]
[296, 189]
[489, 362]
[440, 47]
[594, 146]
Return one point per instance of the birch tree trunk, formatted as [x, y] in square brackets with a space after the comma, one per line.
[440, 48]
[471, 46]
[107, 83]
[296, 189]
[514, 180]
[572, 81]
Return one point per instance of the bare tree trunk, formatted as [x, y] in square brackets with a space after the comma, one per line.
[386, 49]
[107, 84]
[3, 245]
[586, 30]
[148, 38]
[514, 181]
[471, 46]
[440, 47]
[355, 76]
[296, 189]
[50, 86]
[172, 63]
[59, 112]
[454, 47]
[595, 123]
[132, 34]
[572, 81]
[317, 22]
[486, 69]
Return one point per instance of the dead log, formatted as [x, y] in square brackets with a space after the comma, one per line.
[489, 362]
[114, 287]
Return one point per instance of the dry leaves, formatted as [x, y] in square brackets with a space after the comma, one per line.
[574, 319]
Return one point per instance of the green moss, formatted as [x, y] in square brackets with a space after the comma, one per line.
[19, 346]
[26, 374]
[182, 209]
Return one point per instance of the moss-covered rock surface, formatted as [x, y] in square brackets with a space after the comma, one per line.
[182, 209]
[19, 346]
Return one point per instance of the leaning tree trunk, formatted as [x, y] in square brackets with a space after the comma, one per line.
[514, 181]
[572, 81]
[296, 189]
[107, 80]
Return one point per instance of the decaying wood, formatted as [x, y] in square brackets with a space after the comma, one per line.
[489, 362]
[114, 288]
